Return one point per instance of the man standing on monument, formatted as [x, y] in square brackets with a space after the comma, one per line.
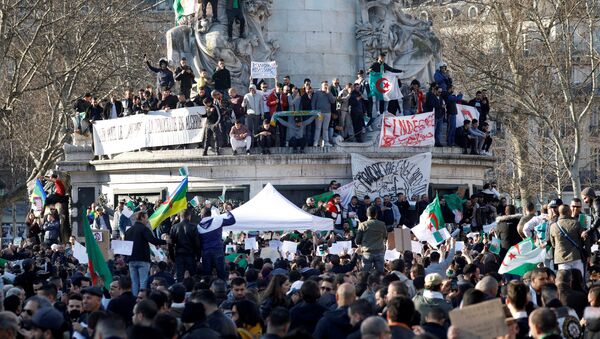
[252, 103]
[214, 4]
[234, 12]
[185, 76]
[322, 101]
[212, 130]
[381, 67]
[222, 77]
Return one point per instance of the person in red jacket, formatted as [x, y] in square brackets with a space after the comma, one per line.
[59, 194]
[277, 102]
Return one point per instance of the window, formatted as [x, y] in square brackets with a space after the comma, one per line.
[473, 12]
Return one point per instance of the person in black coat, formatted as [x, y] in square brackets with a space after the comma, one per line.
[506, 229]
[360, 310]
[266, 137]
[185, 239]
[306, 314]
[462, 138]
[108, 113]
[403, 206]
[212, 130]
[139, 260]
[435, 103]
[185, 76]
[124, 303]
[222, 77]
[569, 296]
[168, 101]
[336, 323]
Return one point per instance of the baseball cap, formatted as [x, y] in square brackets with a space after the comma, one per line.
[555, 203]
[433, 279]
[296, 286]
[48, 318]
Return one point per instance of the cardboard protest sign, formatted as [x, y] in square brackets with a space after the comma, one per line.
[483, 320]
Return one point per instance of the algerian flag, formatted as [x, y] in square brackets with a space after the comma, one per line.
[522, 258]
[184, 7]
[455, 203]
[222, 196]
[346, 193]
[384, 86]
[183, 171]
[195, 202]
[495, 245]
[431, 227]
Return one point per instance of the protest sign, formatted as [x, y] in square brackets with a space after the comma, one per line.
[155, 129]
[289, 246]
[465, 112]
[416, 247]
[80, 253]
[402, 239]
[391, 255]
[250, 244]
[275, 244]
[229, 249]
[263, 70]
[409, 176]
[482, 320]
[412, 130]
[459, 246]
[269, 252]
[122, 247]
[103, 239]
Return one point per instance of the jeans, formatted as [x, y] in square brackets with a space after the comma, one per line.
[184, 263]
[451, 130]
[439, 124]
[377, 106]
[232, 15]
[138, 270]
[213, 258]
[373, 259]
[295, 143]
[322, 128]
[214, 5]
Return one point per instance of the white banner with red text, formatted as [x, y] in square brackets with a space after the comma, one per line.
[412, 130]
[155, 129]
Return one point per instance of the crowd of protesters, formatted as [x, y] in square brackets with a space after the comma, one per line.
[200, 289]
[244, 120]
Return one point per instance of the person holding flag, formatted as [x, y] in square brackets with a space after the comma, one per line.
[139, 260]
[376, 76]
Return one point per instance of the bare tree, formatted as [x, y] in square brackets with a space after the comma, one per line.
[540, 60]
[51, 52]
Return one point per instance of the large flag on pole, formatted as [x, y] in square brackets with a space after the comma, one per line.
[384, 86]
[431, 227]
[455, 203]
[522, 258]
[176, 203]
[38, 196]
[96, 261]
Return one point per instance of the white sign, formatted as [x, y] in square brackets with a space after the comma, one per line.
[250, 244]
[263, 70]
[391, 255]
[412, 130]
[122, 247]
[157, 128]
[80, 253]
[289, 246]
[379, 178]
[465, 112]
[416, 246]
[459, 246]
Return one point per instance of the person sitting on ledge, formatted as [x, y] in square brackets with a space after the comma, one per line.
[239, 137]
[296, 132]
[266, 137]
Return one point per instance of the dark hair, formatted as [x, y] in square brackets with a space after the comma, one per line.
[472, 297]
[517, 293]
[125, 282]
[544, 318]
[12, 303]
[160, 298]
[75, 296]
[251, 275]
[279, 316]
[238, 281]
[401, 309]
[274, 289]
[166, 324]
[310, 291]
[147, 308]
[205, 297]
[362, 307]
[466, 122]
[49, 290]
[372, 212]
[474, 121]
[248, 313]
[434, 257]
[415, 82]
[177, 293]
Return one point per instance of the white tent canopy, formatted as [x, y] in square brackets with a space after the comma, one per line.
[271, 211]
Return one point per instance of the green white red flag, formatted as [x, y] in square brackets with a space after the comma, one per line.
[431, 227]
[522, 258]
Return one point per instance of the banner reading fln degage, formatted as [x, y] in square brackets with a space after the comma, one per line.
[263, 70]
[412, 130]
[155, 129]
[379, 178]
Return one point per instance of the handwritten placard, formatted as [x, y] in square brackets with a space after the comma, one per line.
[483, 320]
[263, 70]
[412, 130]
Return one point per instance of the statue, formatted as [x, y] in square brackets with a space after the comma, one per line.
[409, 42]
[205, 42]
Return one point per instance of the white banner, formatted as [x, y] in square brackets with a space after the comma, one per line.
[155, 129]
[412, 130]
[379, 178]
[263, 70]
[465, 112]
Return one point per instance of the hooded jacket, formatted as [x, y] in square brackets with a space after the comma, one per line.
[334, 324]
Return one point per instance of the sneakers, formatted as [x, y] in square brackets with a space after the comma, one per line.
[234, 152]
[315, 144]
[248, 152]
[326, 144]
